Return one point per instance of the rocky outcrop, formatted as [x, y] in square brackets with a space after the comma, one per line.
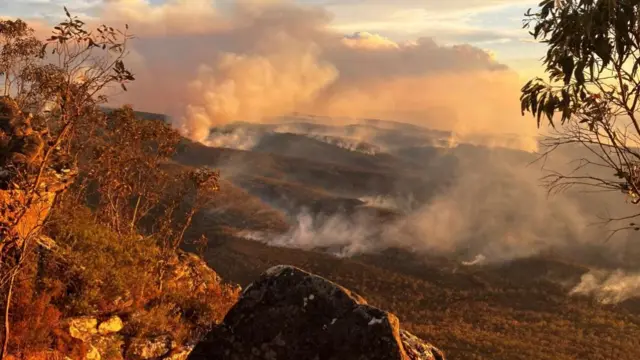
[189, 272]
[112, 325]
[103, 340]
[83, 328]
[418, 349]
[112, 338]
[153, 348]
[291, 314]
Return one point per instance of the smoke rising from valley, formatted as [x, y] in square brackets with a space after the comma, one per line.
[609, 287]
[470, 202]
[250, 61]
[495, 207]
[257, 62]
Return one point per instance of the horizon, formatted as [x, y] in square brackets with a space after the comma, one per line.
[207, 63]
[252, 159]
[495, 26]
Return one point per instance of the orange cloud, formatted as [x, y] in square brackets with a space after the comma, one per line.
[365, 40]
[251, 61]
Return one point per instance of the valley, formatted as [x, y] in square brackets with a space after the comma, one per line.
[345, 215]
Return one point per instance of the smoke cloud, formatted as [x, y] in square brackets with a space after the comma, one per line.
[253, 87]
[609, 287]
[494, 210]
[211, 64]
[208, 65]
[336, 234]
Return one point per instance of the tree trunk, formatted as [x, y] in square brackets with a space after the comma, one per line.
[7, 324]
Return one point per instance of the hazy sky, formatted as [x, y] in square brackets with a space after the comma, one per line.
[448, 64]
[493, 25]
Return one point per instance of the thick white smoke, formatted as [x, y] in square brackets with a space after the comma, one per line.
[609, 287]
[252, 87]
[494, 209]
[209, 64]
[334, 234]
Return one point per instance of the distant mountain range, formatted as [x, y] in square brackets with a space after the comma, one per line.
[459, 239]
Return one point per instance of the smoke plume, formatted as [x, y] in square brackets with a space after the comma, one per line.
[250, 61]
[254, 61]
[493, 208]
[609, 287]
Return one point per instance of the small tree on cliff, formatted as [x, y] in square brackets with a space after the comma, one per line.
[51, 125]
[591, 99]
[128, 178]
[49, 87]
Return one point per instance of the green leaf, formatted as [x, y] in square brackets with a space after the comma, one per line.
[603, 50]
[541, 106]
[579, 73]
[567, 68]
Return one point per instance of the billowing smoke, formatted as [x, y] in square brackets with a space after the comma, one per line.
[249, 61]
[350, 144]
[335, 234]
[494, 208]
[237, 138]
[254, 61]
[609, 287]
[241, 137]
[478, 260]
[404, 204]
[252, 87]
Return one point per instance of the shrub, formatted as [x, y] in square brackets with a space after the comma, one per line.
[105, 272]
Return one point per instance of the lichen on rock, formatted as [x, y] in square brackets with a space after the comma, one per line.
[83, 328]
[111, 325]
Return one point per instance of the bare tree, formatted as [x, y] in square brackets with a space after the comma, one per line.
[593, 86]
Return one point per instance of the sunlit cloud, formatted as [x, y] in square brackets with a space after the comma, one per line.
[212, 62]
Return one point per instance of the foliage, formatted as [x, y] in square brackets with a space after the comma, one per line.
[44, 98]
[514, 311]
[120, 158]
[19, 56]
[37, 318]
[593, 64]
[127, 179]
[94, 271]
[101, 264]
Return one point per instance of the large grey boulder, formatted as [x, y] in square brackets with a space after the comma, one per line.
[291, 314]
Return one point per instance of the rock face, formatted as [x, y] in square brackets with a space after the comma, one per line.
[108, 338]
[188, 271]
[103, 341]
[291, 314]
[150, 348]
[417, 349]
[111, 325]
[83, 328]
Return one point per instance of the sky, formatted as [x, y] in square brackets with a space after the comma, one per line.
[454, 65]
[492, 25]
